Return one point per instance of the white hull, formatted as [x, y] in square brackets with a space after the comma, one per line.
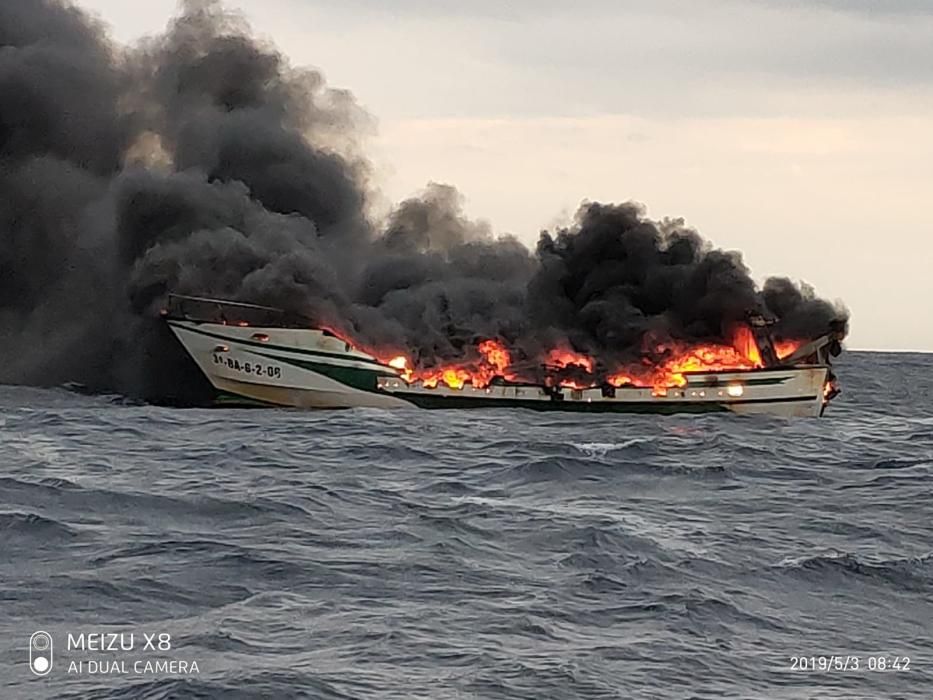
[306, 368]
[279, 371]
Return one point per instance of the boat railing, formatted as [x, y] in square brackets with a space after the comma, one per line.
[226, 311]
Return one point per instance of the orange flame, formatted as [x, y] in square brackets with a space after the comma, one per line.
[683, 359]
[743, 340]
[564, 357]
[454, 377]
[492, 359]
[786, 348]
[400, 362]
[495, 354]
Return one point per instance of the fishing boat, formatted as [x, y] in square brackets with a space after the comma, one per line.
[259, 355]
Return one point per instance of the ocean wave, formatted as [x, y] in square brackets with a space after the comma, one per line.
[65, 493]
[908, 572]
[894, 463]
[32, 526]
[234, 686]
[601, 449]
[607, 467]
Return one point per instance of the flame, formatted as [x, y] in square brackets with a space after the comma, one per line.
[830, 389]
[495, 354]
[564, 358]
[785, 348]
[492, 358]
[454, 377]
[401, 363]
[398, 362]
[742, 354]
[743, 340]
[670, 373]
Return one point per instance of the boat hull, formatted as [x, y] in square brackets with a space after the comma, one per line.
[290, 369]
[304, 368]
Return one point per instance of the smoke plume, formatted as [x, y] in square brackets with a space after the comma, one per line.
[201, 162]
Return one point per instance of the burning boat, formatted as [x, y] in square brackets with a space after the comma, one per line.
[259, 355]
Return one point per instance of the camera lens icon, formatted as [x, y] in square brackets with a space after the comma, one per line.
[40, 653]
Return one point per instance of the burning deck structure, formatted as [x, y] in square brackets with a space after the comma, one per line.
[259, 355]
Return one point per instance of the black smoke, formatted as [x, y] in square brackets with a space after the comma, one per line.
[200, 161]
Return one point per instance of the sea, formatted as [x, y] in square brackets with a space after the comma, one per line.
[232, 554]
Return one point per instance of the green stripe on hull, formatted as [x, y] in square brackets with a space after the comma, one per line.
[231, 399]
[570, 406]
[363, 379]
[284, 348]
[660, 406]
[747, 381]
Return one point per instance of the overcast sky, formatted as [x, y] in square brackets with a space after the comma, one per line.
[797, 131]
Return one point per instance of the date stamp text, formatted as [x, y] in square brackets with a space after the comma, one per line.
[878, 663]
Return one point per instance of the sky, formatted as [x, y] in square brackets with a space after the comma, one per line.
[796, 131]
